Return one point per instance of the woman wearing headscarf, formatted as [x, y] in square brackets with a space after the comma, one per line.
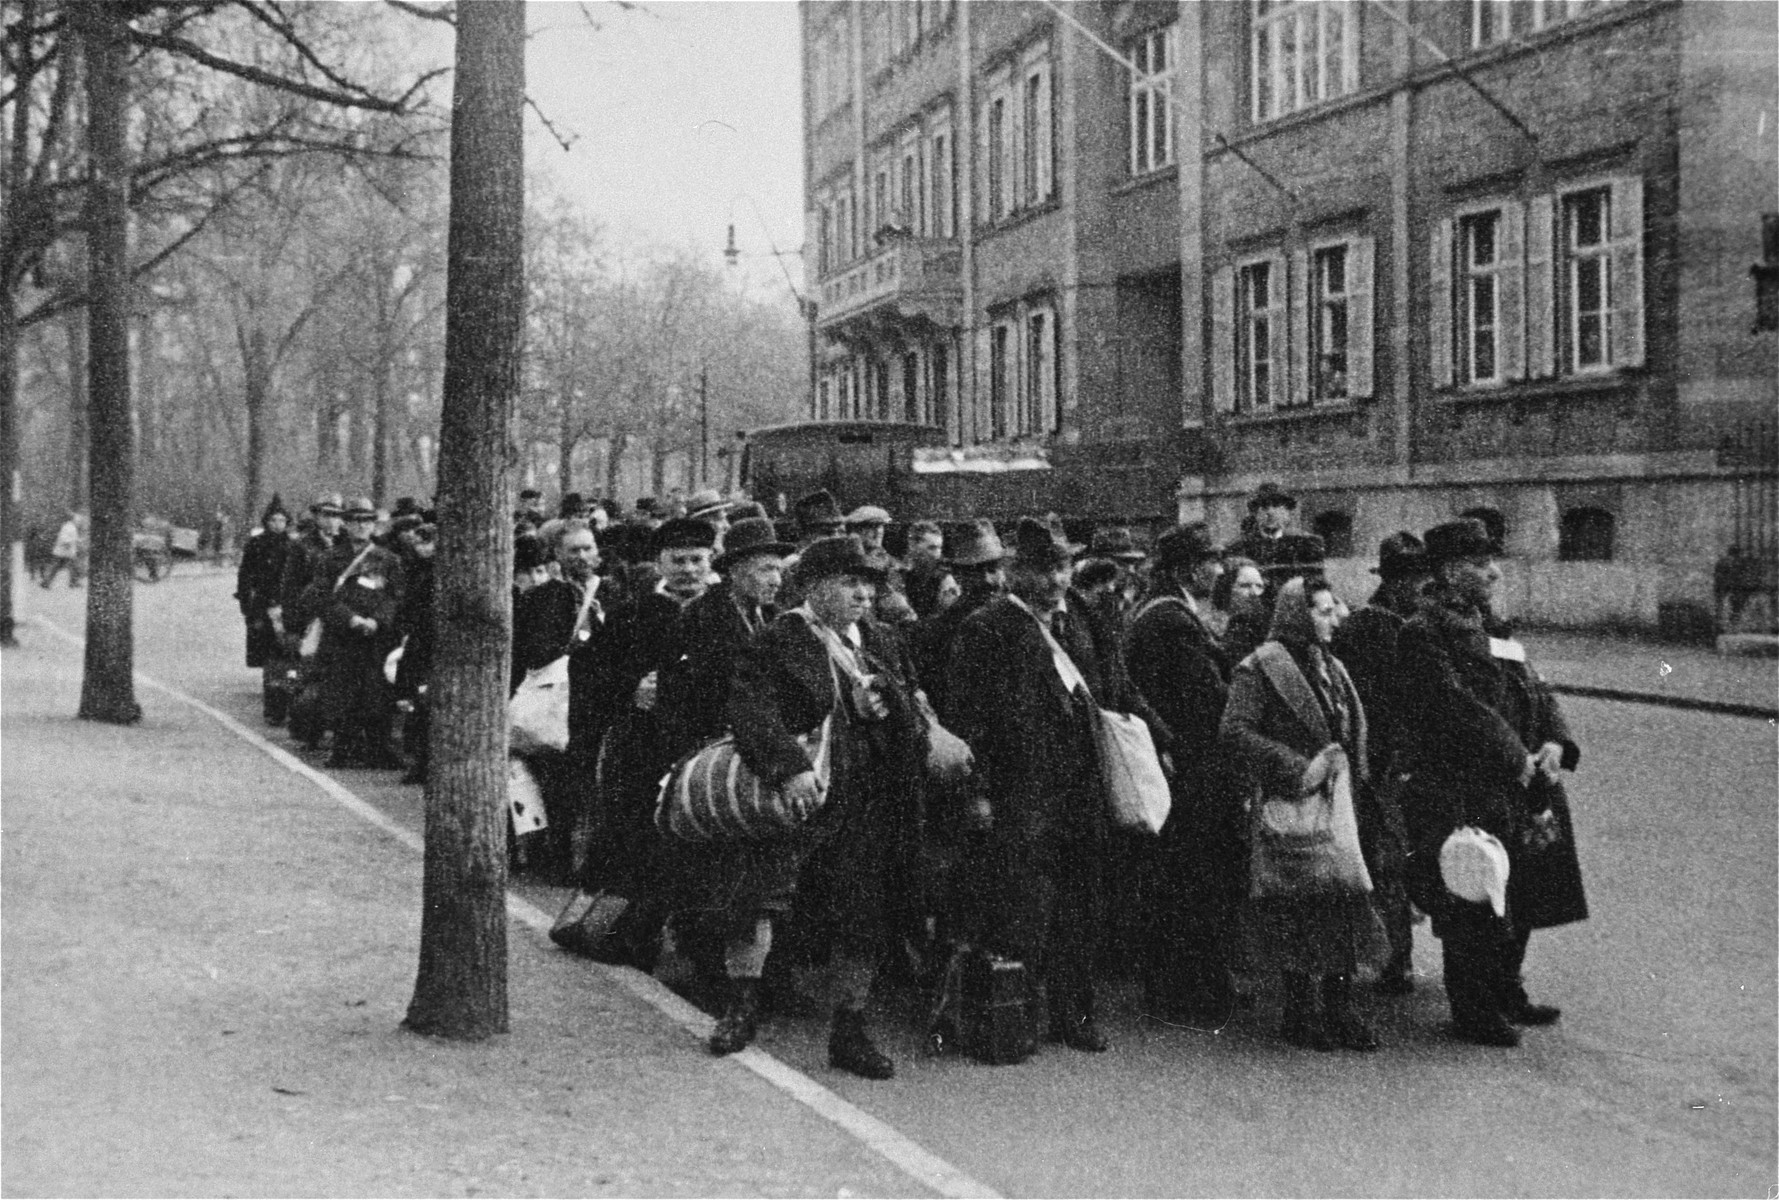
[1292, 714]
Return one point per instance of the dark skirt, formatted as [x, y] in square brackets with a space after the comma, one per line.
[1320, 935]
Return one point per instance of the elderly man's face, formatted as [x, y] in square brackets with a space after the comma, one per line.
[1202, 579]
[1271, 518]
[684, 568]
[926, 547]
[757, 578]
[1473, 580]
[578, 552]
[1325, 614]
[870, 536]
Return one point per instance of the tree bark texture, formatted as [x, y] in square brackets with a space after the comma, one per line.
[78, 448]
[461, 989]
[107, 690]
[257, 374]
[9, 464]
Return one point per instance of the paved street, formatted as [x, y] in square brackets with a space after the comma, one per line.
[207, 959]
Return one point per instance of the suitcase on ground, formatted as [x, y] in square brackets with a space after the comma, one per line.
[983, 1009]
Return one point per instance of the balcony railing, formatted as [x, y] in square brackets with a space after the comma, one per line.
[919, 275]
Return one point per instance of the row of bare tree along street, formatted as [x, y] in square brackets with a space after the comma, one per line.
[284, 305]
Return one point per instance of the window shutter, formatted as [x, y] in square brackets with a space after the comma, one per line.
[1042, 137]
[1223, 340]
[1050, 413]
[1541, 313]
[1439, 324]
[978, 419]
[1297, 330]
[1627, 272]
[1281, 334]
[1510, 298]
[1361, 255]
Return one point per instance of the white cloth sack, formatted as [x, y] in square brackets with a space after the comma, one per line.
[525, 800]
[1136, 786]
[538, 712]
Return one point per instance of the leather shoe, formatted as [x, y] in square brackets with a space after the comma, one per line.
[850, 1048]
[1350, 1033]
[1080, 1033]
[1528, 1013]
[739, 1023]
[1486, 1033]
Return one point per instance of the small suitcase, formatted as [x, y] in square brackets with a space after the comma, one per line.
[994, 1017]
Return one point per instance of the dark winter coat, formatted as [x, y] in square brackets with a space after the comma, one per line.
[1470, 718]
[259, 583]
[300, 564]
[699, 664]
[350, 660]
[1175, 663]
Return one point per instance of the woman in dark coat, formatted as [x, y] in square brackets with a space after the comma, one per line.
[258, 584]
[1291, 709]
[819, 659]
[1484, 741]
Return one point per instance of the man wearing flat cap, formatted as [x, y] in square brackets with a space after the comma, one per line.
[1483, 743]
[1024, 676]
[1196, 871]
[1270, 542]
[977, 562]
[1366, 644]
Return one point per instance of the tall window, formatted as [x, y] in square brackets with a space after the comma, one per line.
[939, 156]
[911, 398]
[1586, 297]
[824, 261]
[1302, 52]
[1035, 153]
[1478, 323]
[1151, 108]
[1329, 329]
[1039, 408]
[1000, 377]
[1491, 21]
[1257, 299]
[938, 409]
[997, 138]
[1549, 12]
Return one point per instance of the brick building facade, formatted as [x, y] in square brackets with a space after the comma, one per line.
[1410, 259]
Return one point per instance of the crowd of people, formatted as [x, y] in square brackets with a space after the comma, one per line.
[839, 666]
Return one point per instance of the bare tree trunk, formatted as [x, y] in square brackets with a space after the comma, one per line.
[565, 441]
[614, 462]
[461, 990]
[257, 376]
[76, 324]
[9, 463]
[107, 691]
[657, 466]
[380, 425]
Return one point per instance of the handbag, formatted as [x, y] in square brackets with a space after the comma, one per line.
[949, 757]
[537, 715]
[712, 795]
[1137, 792]
[1309, 845]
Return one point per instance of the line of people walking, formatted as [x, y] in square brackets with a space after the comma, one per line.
[919, 734]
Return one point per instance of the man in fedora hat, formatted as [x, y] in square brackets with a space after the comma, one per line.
[1483, 742]
[977, 561]
[325, 514]
[1269, 540]
[823, 657]
[1024, 676]
[1366, 644]
[1196, 870]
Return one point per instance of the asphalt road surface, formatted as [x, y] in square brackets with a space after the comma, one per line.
[1660, 1079]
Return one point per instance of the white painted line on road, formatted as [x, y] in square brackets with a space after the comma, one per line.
[902, 1151]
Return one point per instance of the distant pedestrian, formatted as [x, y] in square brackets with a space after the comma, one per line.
[66, 552]
[357, 592]
[257, 584]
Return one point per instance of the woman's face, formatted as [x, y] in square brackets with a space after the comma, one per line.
[1324, 615]
[276, 522]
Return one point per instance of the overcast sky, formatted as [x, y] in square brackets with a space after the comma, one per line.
[681, 112]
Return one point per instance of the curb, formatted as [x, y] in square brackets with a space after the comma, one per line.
[1727, 708]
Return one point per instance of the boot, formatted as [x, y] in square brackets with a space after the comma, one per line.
[1516, 1006]
[850, 1048]
[740, 1019]
[1346, 1028]
[1302, 1024]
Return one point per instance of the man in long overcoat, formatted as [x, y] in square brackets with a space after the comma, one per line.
[1024, 675]
[357, 591]
[1196, 872]
[1366, 644]
[1484, 742]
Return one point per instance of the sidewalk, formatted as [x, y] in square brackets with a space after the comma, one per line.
[1653, 672]
[207, 963]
